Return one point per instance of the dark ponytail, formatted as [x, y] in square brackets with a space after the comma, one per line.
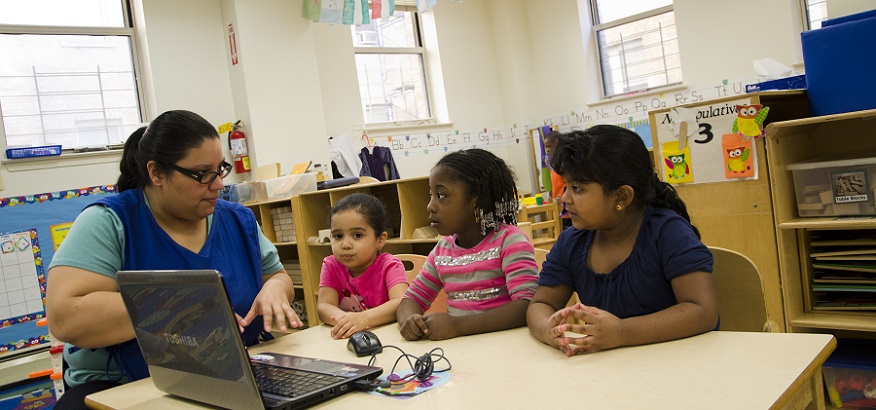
[130, 176]
[166, 140]
[665, 196]
[612, 157]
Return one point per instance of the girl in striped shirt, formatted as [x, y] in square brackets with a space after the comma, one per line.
[483, 262]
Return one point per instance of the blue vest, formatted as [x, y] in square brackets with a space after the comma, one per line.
[232, 248]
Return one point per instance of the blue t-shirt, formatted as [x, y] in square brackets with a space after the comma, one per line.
[665, 248]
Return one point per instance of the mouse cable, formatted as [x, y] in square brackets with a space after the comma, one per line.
[421, 368]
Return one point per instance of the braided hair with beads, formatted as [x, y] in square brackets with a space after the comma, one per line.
[489, 178]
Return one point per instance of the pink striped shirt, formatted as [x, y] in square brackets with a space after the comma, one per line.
[499, 269]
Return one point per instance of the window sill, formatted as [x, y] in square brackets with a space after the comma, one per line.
[639, 94]
[65, 160]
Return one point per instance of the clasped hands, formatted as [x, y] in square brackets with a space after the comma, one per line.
[432, 326]
[596, 330]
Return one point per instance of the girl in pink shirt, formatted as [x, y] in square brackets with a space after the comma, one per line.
[359, 286]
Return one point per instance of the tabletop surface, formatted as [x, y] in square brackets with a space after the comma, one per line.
[732, 370]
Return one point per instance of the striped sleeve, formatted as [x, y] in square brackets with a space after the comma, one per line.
[518, 263]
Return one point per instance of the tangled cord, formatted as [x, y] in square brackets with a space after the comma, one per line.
[421, 368]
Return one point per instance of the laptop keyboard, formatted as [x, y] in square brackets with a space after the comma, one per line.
[290, 382]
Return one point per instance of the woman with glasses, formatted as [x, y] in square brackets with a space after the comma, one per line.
[166, 216]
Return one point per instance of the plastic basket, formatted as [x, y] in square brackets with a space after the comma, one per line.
[14, 153]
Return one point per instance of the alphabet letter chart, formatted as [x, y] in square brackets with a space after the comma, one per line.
[23, 281]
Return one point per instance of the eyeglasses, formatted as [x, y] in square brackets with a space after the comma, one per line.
[204, 177]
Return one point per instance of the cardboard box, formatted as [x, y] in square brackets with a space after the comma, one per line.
[839, 65]
[836, 187]
[290, 185]
[850, 374]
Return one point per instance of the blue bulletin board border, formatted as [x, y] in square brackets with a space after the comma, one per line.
[36, 214]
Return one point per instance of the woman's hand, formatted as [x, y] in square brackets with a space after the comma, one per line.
[272, 302]
[347, 323]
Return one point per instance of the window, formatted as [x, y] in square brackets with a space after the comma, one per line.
[68, 74]
[638, 44]
[816, 12]
[390, 67]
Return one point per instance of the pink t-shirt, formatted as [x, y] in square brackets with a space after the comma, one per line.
[368, 290]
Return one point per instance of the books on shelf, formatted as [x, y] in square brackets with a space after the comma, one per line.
[844, 270]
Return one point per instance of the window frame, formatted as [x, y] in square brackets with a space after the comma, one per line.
[127, 31]
[420, 49]
[596, 27]
[807, 16]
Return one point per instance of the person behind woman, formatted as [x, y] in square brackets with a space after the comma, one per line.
[359, 286]
[634, 258]
[484, 262]
[167, 215]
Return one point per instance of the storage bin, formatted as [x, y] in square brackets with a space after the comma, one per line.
[251, 191]
[290, 185]
[839, 187]
[839, 70]
[850, 374]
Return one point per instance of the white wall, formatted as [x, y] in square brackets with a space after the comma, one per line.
[504, 62]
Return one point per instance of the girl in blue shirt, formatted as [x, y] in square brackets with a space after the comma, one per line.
[634, 258]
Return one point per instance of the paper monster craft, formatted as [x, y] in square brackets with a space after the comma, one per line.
[749, 121]
[677, 163]
[738, 158]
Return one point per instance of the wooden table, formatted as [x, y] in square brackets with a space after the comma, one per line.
[511, 369]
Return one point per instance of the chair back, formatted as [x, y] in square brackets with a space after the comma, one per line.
[546, 223]
[416, 263]
[741, 303]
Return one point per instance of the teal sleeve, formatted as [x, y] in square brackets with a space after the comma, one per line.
[94, 243]
[270, 258]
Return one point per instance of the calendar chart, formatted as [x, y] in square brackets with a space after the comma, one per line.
[22, 287]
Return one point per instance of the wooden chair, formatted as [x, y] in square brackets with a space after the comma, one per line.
[416, 262]
[546, 223]
[741, 302]
[540, 256]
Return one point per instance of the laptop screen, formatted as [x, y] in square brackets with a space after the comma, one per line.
[178, 327]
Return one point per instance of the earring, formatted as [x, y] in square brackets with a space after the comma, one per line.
[619, 207]
[477, 216]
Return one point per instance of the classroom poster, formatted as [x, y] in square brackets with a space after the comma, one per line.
[31, 228]
[707, 155]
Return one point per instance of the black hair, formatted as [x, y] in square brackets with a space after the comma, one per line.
[612, 157]
[166, 140]
[366, 205]
[488, 177]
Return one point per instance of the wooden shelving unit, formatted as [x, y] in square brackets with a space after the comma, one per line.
[405, 201]
[790, 142]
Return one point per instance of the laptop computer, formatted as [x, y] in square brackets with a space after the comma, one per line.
[188, 333]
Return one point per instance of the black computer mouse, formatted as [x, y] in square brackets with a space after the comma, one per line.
[364, 343]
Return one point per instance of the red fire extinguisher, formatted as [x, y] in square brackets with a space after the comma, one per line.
[237, 146]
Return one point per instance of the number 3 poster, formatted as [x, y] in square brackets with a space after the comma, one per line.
[713, 141]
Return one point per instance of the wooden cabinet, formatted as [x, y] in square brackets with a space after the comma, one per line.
[790, 142]
[267, 214]
[733, 214]
[405, 201]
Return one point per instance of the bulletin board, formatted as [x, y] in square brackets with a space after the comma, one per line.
[31, 228]
[706, 158]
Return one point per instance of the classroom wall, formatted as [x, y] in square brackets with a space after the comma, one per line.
[504, 63]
